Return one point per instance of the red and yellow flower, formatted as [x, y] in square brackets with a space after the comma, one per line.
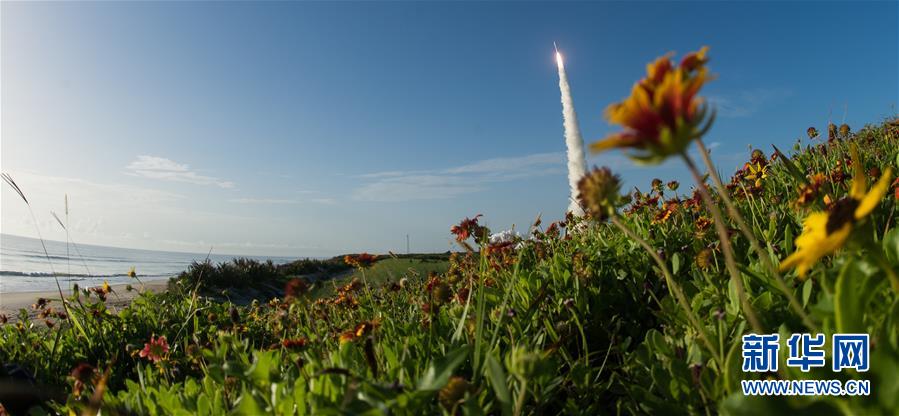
[663, 114]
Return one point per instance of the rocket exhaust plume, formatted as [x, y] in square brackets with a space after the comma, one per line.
[576, 162]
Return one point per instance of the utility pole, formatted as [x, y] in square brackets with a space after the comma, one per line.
[407, 244]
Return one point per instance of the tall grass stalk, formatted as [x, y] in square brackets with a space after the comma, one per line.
[753, 241]
[729, 260]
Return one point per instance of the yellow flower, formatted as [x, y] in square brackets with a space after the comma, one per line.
[826, 232]
[106, 287]
[663, 114]
[132, 273]
[757, 172]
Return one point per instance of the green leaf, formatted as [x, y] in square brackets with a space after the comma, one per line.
[675, 263]
[497, 378]
[791, 168]
[891, 245]
[852, 292]
[439, 372]
[806, 291]
[261, 369]
[248, 405]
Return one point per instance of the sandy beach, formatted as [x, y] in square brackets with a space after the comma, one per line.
[11, 303]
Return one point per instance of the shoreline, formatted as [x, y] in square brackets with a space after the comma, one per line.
[12, 302]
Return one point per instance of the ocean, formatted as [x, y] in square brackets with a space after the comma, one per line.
[24, 266]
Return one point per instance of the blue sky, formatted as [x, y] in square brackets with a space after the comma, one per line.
[321, 128]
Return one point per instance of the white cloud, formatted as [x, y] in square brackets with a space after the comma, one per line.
[746, 103]
[96, 209]
[396, 186]
[284, 201]
[265, 201]
[416, 187]
[502, 165]
[166, 169]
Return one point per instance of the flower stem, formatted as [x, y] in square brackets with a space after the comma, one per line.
[753, 241]
[672, 286]
[725, 245]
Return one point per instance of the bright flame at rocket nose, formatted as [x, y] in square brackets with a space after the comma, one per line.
[559, 59]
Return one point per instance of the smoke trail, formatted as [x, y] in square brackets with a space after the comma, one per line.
[574, 142]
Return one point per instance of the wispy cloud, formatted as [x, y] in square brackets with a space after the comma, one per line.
[396, 186]
[265, 201]
[166, 169]
[747, 103]
[282, 201]
[505, 165]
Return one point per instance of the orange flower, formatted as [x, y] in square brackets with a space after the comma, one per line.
[292, 344]
[156, 349]
[467, 228]
[665, 213]
[295, 288]
[663, 114]
[360, 261]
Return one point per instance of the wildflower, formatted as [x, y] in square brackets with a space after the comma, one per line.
[599, 193]
[812, 133]
[874, 172]
[366, 328]
[808, 192]
[825, 232]
[295, 288]
[293, 344]
[462, 294]
[663, 114]
[831, 132]
[40, 303]
[757, 172]
[673, 185]
[234, 314]
[837, 175]
[132, 273]
[844, 130]
[656, 184]
[467, 228]
[704, 258]
[758, 157]
[156, 349]
[665, 213]
[450, 395]
[82, 374]
[360, 261]
[441, 293]
[102, 291]
[702, 224]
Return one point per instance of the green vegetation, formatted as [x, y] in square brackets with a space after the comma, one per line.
[388, 271]
[637, 308]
